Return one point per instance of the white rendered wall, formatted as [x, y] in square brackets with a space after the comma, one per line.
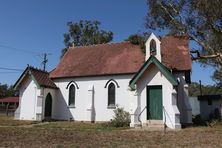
[153, 76]
[27, 100]
[81, 111]
[29, 95]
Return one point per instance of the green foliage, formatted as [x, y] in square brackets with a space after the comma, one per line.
[200, 20]
[137, 40]
[194, 89]
[6, 91]
[121, 118]
[85, 33]
[217, 76]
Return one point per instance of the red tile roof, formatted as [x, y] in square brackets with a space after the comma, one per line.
[10, 100]
[119, 58]
[175, 53]
[102, 59]
[41, 77]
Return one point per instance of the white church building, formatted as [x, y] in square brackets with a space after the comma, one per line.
[90, 81]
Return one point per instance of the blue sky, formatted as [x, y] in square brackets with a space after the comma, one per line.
[38, 26]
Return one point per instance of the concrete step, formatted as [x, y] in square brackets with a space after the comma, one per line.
[154, 124]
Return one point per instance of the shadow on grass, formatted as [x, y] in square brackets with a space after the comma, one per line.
[8, 121]
[79, 126]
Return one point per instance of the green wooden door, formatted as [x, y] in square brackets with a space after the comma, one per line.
[154, 102]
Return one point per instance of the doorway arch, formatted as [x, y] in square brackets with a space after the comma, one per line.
[48, 106]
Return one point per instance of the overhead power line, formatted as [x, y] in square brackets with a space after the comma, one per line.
[11, 69]
[19, 49]
[41, 55]
[15, 72]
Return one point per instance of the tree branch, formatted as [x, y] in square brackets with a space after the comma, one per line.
[199, 56]
[218, 56]
[214, 28]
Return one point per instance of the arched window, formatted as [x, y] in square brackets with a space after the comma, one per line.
[72, 93]
[152, 47]
[111, 95]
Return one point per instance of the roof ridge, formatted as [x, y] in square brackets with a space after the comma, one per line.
[37, 69]
[94, 45]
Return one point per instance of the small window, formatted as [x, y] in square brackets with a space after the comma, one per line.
[111, 95]
[152, 47]
[209, 101]
[72, 92]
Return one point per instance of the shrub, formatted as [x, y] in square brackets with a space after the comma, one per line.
[121, 118]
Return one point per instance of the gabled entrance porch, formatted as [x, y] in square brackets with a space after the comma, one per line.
[156, 94]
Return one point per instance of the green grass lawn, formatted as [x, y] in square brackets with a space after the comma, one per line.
[77, 134]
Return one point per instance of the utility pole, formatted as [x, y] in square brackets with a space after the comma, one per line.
[45, 60]
[200, 88]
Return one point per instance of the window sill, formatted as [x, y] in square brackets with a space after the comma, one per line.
[111, 107]
[71, 106]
